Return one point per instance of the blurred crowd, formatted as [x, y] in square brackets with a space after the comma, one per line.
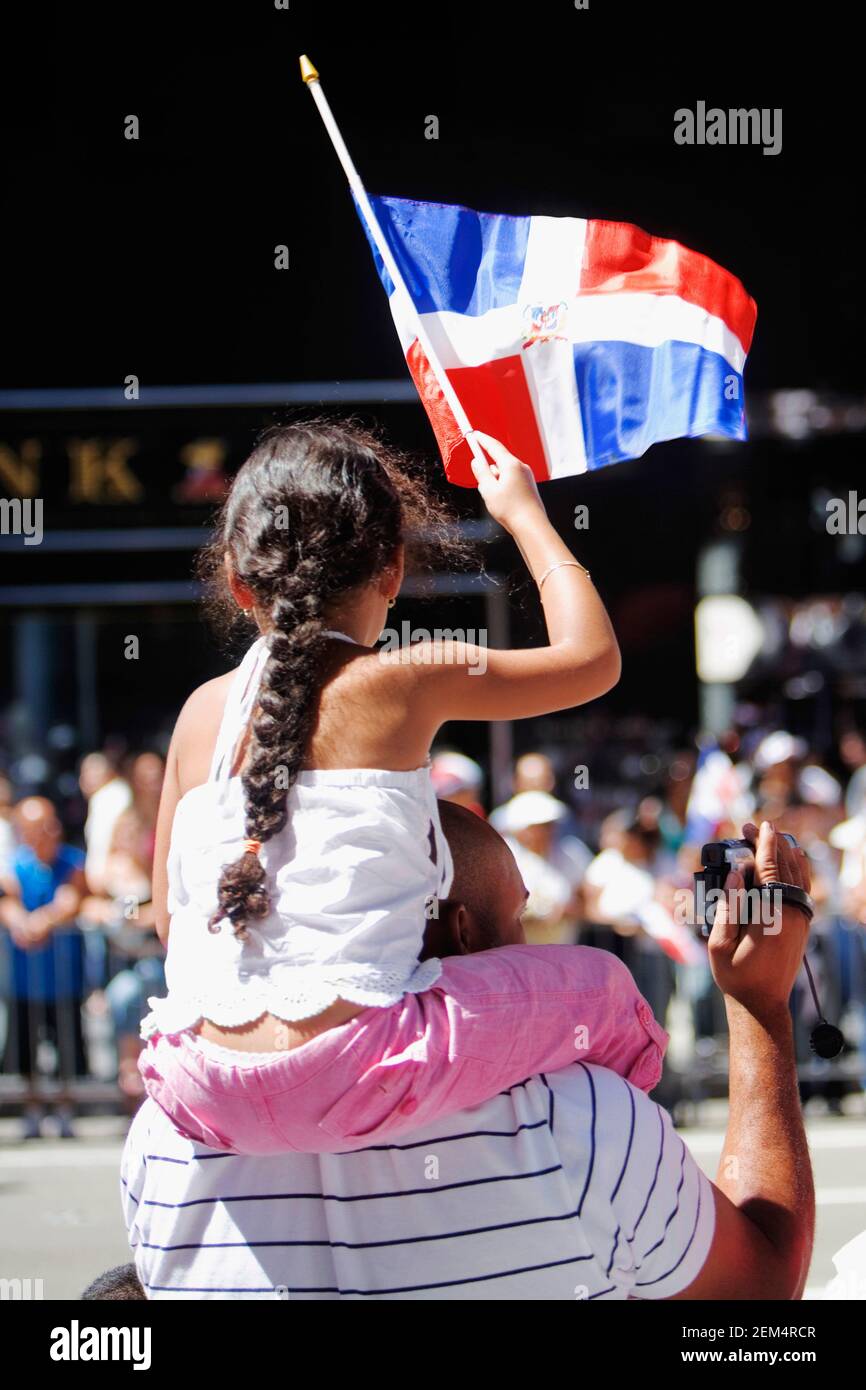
[79, 955]
[79, 941]
[622, 879]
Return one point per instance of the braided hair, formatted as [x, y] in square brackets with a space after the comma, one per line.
[318, 509]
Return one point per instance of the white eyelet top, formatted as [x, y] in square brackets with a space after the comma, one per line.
[353, 877]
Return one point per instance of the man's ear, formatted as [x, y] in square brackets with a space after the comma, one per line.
[450, 933]
[462, 930]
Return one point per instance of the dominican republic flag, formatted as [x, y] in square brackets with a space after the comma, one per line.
[577, 343]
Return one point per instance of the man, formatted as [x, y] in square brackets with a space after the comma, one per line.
[43, 886]
[568, 1186]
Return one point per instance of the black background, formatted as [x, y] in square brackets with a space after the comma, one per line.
[156, 256]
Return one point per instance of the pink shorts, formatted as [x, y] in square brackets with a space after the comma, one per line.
[490, 1021]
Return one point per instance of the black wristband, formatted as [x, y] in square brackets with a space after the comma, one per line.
[792, 896]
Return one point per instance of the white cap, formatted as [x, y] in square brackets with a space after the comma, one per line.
[779, 748]
[528, 808]
[454, 772]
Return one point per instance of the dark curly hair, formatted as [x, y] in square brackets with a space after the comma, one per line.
[318, 509]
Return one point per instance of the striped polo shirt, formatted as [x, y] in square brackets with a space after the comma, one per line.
[569, 1186]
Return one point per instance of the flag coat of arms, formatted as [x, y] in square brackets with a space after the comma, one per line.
[576, 342]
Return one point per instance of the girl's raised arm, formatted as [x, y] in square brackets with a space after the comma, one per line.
[581, 660]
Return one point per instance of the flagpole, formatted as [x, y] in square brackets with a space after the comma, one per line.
[313, 83]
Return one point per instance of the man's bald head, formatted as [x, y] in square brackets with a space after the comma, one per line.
[37, 826]
[487, 896]
[34, 810]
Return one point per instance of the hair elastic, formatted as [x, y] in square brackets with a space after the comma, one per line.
[252, 846]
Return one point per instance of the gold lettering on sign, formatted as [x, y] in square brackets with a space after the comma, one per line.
[19, 471]
[99, 472]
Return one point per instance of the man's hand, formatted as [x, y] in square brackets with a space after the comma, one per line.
[764, 1197]
[16, 921]
[752, 965]
[40, 925]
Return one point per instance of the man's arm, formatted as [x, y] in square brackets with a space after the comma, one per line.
[12, 915]
[764, 1192]
[63, 908]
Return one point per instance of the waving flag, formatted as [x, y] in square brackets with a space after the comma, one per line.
[576, 342]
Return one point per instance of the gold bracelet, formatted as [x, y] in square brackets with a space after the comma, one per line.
[561, 565]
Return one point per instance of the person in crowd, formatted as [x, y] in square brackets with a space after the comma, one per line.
[552, 868]
[621, 892]
[776, 762]
[534, 772]
[570, 1186]
[678, 778]
[302, 837]
[457, 778]
[125, 913]
[848, 842]
[107, 795]
[788, 778]
[719, 793]
[7, 832]
[852, 751]
[43, 890]
[146, 776]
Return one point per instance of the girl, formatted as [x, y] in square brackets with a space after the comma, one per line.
[299, 845]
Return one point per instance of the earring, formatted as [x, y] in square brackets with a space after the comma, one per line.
[391, 602]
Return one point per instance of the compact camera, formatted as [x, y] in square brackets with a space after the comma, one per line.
[718, 860]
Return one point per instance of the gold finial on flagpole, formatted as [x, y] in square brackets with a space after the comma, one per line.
[308, 72]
